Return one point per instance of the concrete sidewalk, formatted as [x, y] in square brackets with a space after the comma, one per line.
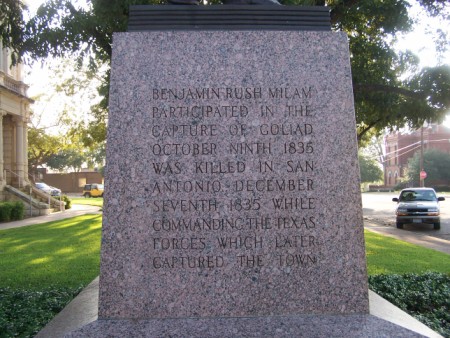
[76, 210]
[84, 310]
[424, 240]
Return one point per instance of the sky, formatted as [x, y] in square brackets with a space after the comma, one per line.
[51, 104]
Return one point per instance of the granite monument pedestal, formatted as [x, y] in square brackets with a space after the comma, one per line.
[232, 200]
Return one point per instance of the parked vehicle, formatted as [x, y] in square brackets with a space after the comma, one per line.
[93, 190]
[418, 205]
[48, 189]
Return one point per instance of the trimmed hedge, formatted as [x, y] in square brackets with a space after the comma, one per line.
[67, 201]
[24, 313]
[11, 211]
[424, 296]
[18, 211]
[442, 188]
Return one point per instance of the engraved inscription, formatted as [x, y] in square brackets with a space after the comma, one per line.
[232, 180]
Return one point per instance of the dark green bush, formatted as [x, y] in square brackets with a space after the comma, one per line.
[424, 296]
[67, 201]
[442, 188]
[5, 211]
[11, 211]
[402, 185]
[17, 211]
[24, 313]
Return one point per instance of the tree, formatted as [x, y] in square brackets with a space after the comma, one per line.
[62, 152]
[435, 163]
[390, 90]
[75, 154]
[41, 147]
[369, 169]
[66, 159]
[12, 27]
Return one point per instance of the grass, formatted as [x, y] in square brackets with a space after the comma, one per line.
[43, 266]
[60, 253]
[67, 253]
[386, 255]
[95, 201]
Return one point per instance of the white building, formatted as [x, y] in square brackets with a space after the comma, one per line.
[14, 116]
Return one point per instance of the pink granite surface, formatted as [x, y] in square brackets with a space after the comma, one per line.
[232, 184]
[307, 326]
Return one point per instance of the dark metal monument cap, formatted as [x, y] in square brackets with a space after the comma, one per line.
[228, 17]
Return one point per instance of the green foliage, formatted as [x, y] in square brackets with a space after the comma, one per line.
[369, 169]
[5, 211]
[401, 185]
[386, 255]
[68, 152]
[17, 211]
[424, 296]
[11, 211]
[41, 147]
[67, 201]
[390, 90]
[23, 313]
[442, 188]
[67, 158]
[436, 164]
[12, 26]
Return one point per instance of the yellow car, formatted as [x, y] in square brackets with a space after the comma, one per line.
[93, 190]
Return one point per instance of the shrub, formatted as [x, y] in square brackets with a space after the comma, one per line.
[67, 201]
[402, 185]
[11, 211]
[424, 296]
[17, 211]
[5, 211]
[24, 313]
[442, 188]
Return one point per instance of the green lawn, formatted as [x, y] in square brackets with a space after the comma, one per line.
[61, 253]
[44, 266]
[386, 255]
[66, 253]
[96, 201]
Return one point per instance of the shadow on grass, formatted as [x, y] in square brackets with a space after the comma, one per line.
[64, 252]
[387, 255]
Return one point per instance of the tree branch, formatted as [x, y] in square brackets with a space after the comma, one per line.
[367, 128]
[339, 10]
[364, 88]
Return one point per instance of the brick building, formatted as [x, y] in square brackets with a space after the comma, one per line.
[400, 147]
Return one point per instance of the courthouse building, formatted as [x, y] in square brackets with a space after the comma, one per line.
[400, 147]
[14, 116]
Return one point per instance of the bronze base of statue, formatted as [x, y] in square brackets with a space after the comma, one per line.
[227, 2]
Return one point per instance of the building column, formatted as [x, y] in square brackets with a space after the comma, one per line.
[2, 173]
[18, 120]
[25, 152]
[25, 121]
